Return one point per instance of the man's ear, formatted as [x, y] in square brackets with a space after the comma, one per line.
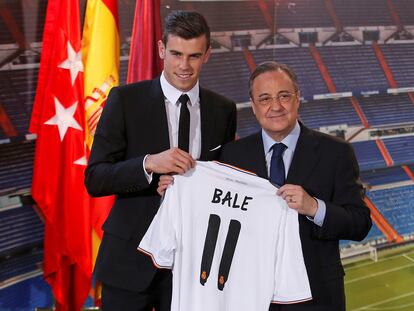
[207, 55]
[161, 49]
[252, 104]
[298, 98]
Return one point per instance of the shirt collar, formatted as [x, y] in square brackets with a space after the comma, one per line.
[290, 140]
[172, 93]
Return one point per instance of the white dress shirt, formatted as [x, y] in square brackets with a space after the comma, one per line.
[172, 108]
[171, 95]
[290, 141]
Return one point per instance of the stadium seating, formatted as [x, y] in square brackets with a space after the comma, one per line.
[301, 14]
[368, 155]
[229, 17]
[397, 206]
[227, 73]
[401, 149]
[22, 264]
[354, 68]
[126, 12]
[400, 58]
[384, 176]
[405, 10]
[123, 72]
[17, 90]
[30, 24]
[361, 12]
[387, 109]
[317, 113]
[20, 228]
[246, 122]
[16, 166]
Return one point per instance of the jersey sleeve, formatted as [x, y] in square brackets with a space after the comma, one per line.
[291, 277]
[160, 240]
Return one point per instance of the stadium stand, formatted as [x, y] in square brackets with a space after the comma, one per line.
[411, 167]
[397, 205]
[387, 109]
[25, 263]
[123, 70]
[360, 13]
[20, 228]
[368, 155]
[126, 18]
[16, 166]
[246, 122]
[405, 10]
[233, 72]
[317, 113]
[354, 68]
[17, 88]
[227, 16]
[399, 58]
[384, 176]
[301, 14]
[401, 149]
[31, 25]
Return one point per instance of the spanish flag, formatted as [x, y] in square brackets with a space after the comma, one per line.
[100, 55]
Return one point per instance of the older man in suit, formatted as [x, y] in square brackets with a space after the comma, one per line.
[317, 175]
[146, 129]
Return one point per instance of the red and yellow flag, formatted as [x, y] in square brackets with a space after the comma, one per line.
[58, 119]
[100, 54]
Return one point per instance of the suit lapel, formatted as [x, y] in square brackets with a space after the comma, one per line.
[305, 158]
[256, 155]
[158, 116]
[207, 125]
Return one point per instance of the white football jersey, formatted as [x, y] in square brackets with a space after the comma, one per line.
[232, 243]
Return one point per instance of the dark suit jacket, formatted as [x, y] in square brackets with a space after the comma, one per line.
[133, 124]
[327, 169]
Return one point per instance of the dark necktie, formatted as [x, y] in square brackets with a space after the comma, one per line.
[277, 167]
[184, 124]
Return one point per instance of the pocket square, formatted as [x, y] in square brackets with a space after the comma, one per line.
[215, 148]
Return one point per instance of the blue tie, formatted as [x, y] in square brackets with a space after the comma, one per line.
[277, 167]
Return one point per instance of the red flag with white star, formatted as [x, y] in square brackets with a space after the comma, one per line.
[58, 119]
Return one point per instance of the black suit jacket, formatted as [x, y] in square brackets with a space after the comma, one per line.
[327, 169]
[134, 124]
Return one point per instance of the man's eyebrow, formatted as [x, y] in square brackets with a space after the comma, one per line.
[175, 51]
[264, 94]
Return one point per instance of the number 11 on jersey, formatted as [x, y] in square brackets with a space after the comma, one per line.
[210, 246]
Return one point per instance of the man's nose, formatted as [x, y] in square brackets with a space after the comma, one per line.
[184, 63]
[275, 104]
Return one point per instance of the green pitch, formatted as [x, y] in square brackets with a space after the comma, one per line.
[387, 284]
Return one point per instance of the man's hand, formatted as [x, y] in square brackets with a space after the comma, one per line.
[298, 199]
[164, 182]
[173, 160]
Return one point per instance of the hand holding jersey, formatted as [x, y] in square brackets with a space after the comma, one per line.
[173, 160]
[232, 244]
